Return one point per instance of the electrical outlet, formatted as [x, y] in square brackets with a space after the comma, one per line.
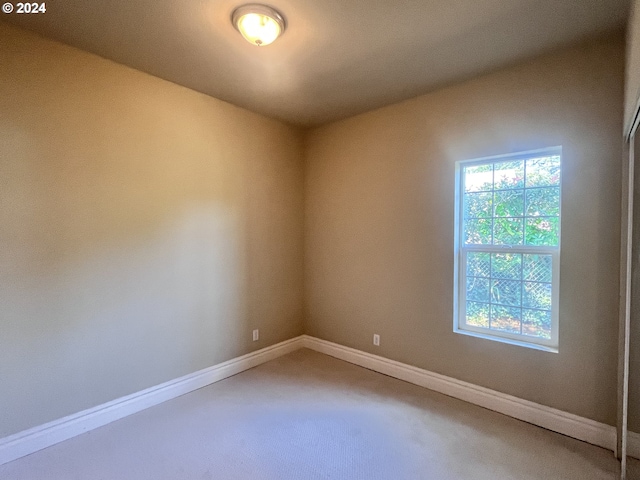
[376, 339]
[256, 335]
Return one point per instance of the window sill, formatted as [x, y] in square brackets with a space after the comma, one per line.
[509, 341]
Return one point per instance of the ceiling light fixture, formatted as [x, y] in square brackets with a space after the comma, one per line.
[258, 24]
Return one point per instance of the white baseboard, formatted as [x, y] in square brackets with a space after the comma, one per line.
[546, 417]
[43, 436]
[633, 444]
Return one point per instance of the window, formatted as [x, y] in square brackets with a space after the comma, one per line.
[508, 248]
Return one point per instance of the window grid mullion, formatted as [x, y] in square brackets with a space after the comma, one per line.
[515, 217]
[506, 249]
[510, 189]
[505, 305]
[513, 280]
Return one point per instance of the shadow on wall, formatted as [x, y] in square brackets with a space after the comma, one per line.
[110, 277]
[138, 228]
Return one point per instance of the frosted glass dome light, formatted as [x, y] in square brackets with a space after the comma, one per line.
[259, 24]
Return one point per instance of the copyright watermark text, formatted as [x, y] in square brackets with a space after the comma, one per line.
[20, 7]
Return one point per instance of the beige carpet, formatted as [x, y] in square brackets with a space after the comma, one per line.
[309, 416]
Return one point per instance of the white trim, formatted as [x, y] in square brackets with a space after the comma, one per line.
[633, 444]
[625, 296]
[461, 250]
[568, 424]
[635, 121]
[509, 157]
[510, 341]
[43, 436]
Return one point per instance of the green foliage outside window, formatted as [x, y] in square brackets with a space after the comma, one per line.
[513, 203]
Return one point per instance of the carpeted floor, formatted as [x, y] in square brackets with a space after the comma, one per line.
[310, 416]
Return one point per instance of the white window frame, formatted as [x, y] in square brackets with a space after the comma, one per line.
[461, 250]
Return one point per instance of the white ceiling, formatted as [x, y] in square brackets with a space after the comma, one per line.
[337, 57]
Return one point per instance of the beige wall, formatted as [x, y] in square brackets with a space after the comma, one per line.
[379, 224]
[145, 230]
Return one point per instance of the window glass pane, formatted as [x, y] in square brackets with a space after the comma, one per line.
[509, 203]
[536, 295]
[543, 202]
[506, 292]
[506, 204]
[536, 323]
[543, 171]
[509, 175]
[478, 264]
[507, 231]
[506, 319]
[506, 265]
[537, 268]
[478, 314]
[477, 232]
[478, 289]
[542, 231]
[478, 178]
[478, 205]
